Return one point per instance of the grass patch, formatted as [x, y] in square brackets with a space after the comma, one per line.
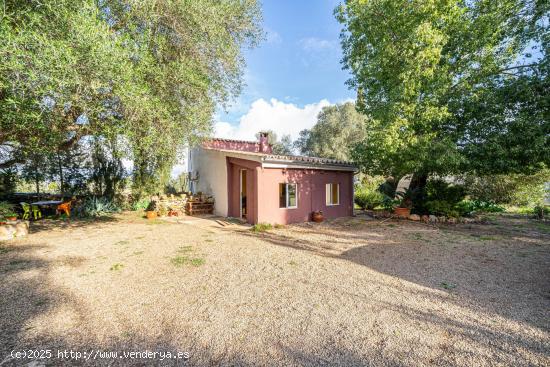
[278, 226]
[208, 240]
[4, 250]
[293, 263]
[120, 243]
[153, 222]
[116, 267]
[487, 238]
[184, 249]
[184, 260]
[543, 227]
[261, 227]
[448, 285]
[138, 252]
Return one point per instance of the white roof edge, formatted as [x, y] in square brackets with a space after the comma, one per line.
[324, 166]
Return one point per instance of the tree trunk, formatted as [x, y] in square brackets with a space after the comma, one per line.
[418, 186]
[60, 167]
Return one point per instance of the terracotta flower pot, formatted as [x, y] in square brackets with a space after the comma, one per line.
[318, 217]
[13, 219]
[402, 212]
[150, 214]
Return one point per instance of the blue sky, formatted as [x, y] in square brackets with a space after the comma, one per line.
[292, 74]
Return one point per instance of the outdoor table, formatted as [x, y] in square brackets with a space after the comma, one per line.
[47, 202]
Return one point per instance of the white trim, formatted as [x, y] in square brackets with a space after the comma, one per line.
[320, 167]
[328, 194]
[286, 195]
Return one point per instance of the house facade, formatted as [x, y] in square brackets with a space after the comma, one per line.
[248, 181]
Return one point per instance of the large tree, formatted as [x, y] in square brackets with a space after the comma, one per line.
[148, 71]
[449, 86]
[336, 132]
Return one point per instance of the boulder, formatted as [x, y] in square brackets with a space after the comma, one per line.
[425, 218]
[414, 217]
[452, 220]
[432, 219]
[22, 229]
[7, 231]
[442, 219]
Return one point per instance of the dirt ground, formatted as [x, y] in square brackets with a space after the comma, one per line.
[352, 292]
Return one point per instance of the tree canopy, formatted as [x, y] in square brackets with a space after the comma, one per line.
[338, 129]
[449, 86]
[147, 73]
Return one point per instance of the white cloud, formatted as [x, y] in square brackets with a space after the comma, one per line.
[273, 37]
[314, 44]
[282, 118]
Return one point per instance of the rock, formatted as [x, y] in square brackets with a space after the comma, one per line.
[7, 232]
[21, 229]
[432, 219]
[468, 220]
[452, 220]
[414, 217]
[442, 218]
[425, 218]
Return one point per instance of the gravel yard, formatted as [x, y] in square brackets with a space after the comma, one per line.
[352, 292]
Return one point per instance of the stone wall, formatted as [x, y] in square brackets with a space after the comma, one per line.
[14, 229]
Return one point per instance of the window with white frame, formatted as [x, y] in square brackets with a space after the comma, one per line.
[333, 194]
[288, 195]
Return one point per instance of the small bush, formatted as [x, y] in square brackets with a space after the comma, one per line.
[442, 207]
[439, 190]
[541, 211]
[95, 207]
[6, 209]
[368, 199]
[140, 205]
[468, 207]
[261, 227]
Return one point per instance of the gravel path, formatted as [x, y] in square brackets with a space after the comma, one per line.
[352, 292]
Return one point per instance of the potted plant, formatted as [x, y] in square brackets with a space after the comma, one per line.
[405, 203]
[6, 212]
[151, 210]
[317, 216]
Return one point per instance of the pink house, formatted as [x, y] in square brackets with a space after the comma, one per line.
[248, 181]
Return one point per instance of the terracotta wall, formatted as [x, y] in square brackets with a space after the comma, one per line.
[311, 194]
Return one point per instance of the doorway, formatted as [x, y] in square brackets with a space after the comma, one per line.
[242, 196]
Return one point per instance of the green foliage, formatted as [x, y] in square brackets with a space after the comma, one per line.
[6, 209]
[469, 207]
[541, 211]
[513, 189]
[140, 205]
[146, 73]
[367, 195]
[338, 128]
[389, 203]
[441, 207]
[261, 227]
[95, 207]
[440, 190]
[449, 86]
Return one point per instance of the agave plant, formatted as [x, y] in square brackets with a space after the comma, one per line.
[95, 207]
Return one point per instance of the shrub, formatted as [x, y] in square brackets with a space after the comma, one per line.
[541, 211]
[368, 199]
[94, 207]
[442, 207]
[6, 209]
[261, 227]
[367, 195]
[519, 190]
[140, 205]
[439, 190]
[468, 207]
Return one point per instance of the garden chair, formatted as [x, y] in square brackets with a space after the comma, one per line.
[64, 208]
[36, 213]
[26, 210]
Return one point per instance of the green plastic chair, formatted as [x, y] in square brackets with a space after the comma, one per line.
[26, 210]
[36, 213]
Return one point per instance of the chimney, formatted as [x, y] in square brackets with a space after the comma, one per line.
[264, 145]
